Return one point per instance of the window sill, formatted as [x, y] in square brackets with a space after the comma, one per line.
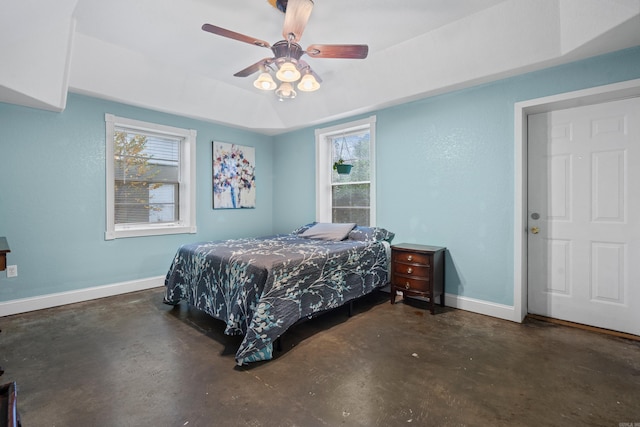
[142, 232]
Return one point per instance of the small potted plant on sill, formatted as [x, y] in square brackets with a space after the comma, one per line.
[342, 168]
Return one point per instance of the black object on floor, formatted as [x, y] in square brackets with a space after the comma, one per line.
[9, 416]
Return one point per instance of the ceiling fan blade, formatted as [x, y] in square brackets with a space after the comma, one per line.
[295, 19]
[254, 67]
[233, 35]
[353, 51]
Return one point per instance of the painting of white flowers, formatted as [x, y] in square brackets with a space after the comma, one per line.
[234, 181]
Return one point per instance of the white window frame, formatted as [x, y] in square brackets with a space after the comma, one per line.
[324, 165]
[187, 194]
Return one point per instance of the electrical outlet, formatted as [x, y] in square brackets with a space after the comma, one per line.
[12, 270]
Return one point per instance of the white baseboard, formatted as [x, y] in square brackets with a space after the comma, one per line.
[487, 308]
[24, 305]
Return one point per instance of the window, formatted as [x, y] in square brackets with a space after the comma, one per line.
[346, 198]
[150, 179]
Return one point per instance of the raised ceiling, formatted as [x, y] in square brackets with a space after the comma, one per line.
[153, 53]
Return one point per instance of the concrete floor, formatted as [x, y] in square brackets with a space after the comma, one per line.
[132, 361]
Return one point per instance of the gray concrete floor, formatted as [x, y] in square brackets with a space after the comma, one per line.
[132, 361]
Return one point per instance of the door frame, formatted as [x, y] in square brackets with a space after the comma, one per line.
[595, 95]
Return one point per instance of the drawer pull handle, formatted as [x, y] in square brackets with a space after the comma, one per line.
[409, 270]
[410, 258]
[407, 286]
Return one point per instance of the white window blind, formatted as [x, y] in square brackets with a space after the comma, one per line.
[147, 177]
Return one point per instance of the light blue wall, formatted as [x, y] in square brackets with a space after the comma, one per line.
[294, 182]
[445, 177]
[52, 198]
[445, 171]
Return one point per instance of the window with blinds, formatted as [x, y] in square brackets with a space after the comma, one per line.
[147, 177]
[150, 179]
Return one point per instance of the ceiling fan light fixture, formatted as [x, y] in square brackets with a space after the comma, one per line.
[285, 91]
[265, 82]
[308, 83]
[288, 72]
[285, 62]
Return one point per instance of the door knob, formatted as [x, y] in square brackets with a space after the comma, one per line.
[535, 230]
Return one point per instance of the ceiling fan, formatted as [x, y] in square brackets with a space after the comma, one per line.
[286, 53]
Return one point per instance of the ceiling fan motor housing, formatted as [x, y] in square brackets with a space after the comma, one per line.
[285, 49]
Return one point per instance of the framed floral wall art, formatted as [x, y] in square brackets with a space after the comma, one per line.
[234, 181]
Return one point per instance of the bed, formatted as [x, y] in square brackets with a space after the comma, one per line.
[261, 286]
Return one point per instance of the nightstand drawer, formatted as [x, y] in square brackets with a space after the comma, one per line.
[411, 270]
[411, 283]
[410, 257]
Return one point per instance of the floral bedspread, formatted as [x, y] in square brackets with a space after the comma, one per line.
[261, 286]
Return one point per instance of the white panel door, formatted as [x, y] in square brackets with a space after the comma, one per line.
[584, 215]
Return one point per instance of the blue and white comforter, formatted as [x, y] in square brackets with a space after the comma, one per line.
[261, 286]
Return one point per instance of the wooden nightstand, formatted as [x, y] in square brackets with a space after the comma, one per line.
[4, 249]
[418, 270]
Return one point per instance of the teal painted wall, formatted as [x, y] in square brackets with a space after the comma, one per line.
[445, 171]
[52, 198]
[445, 177]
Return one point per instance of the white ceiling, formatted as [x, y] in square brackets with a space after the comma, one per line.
[153, 53]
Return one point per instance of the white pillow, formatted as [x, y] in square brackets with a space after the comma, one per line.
[329, 231]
